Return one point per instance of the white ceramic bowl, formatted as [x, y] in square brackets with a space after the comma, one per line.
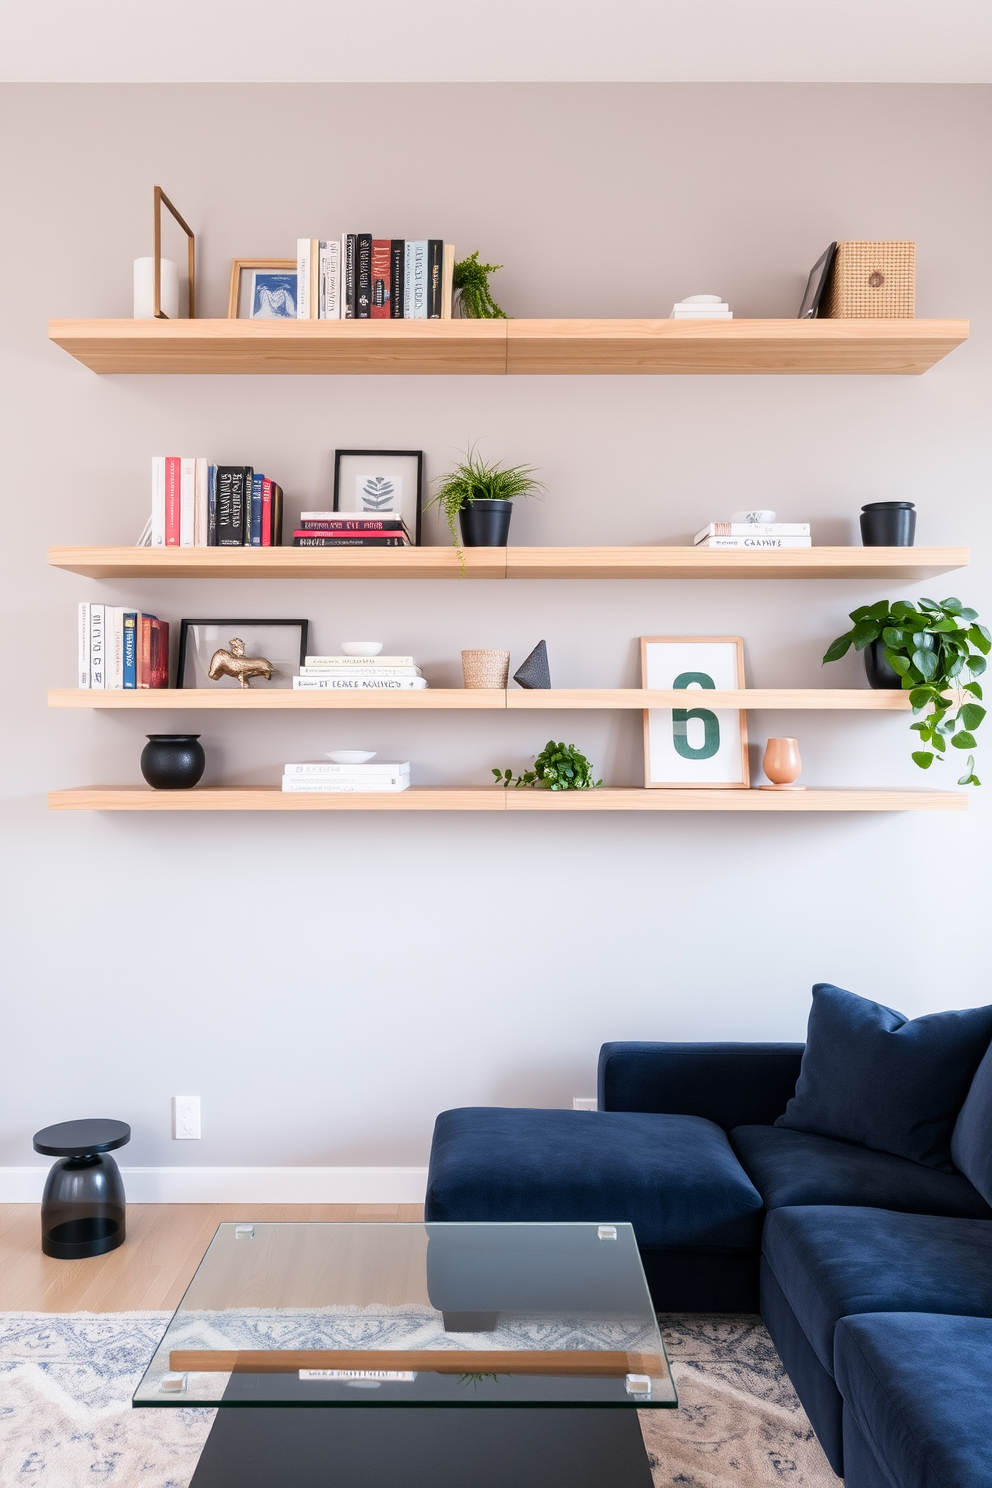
[754, 514]
[361, 648]
[351, 756]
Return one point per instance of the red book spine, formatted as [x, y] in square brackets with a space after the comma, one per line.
[266, 514]
[173, 474]
[158, 646]
[144, 649]
[381, 275]
[340, 534]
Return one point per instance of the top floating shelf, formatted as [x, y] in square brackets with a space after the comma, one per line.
[498, 347]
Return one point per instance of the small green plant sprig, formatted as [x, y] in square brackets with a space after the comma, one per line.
[472, 278]
[474, 479]
[559, 766]
[930, 645]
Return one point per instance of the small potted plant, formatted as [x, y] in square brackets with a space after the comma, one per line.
[560, 767]
[470, 282]
[936, 651]
[479, 496]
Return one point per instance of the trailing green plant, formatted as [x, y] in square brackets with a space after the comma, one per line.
[937, 649]
[559, 767]
[474, 479]
[472, 278]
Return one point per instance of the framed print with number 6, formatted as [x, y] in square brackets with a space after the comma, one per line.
[695, 747]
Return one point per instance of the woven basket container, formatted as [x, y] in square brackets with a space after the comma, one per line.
[872, 281]
[486, 668]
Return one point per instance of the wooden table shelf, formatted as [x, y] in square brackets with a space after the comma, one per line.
[492, 798]
[256, 699]
[897, 565]
[515, 347]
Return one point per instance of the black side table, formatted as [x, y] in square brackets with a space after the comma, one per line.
[82, 1210]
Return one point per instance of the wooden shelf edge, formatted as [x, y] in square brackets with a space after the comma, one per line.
[443, 699]
[491, 798]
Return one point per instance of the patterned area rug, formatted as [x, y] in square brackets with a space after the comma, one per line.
[66, 1420]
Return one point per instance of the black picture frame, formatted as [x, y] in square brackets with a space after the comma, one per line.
[412, 455]
[816, 284]
[226, 623]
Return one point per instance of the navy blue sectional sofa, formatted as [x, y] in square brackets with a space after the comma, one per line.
[872, 1267]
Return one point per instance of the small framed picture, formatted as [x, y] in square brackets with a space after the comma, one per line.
[375, 482]
[262, 289]
[694, 748]
[816, 284]
[237, 653]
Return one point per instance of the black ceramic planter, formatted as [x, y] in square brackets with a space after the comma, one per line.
[888, 524]
[877, 669]
[485, 524]
[173, 761]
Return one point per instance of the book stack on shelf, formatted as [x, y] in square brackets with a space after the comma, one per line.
[754, 535]
[360, 674]
[339, 529]
[121, 648]
[196, 504]
[324, 777]
[361, 277]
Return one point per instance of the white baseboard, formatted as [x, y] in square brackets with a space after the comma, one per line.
[242, 1185]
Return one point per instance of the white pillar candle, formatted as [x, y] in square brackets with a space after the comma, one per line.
[144, 289]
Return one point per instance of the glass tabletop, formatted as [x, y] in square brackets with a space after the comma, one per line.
[414, 1314]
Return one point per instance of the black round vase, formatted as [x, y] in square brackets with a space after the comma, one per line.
[485, 524]
[877, 669]
[888, 524]
[173, 761]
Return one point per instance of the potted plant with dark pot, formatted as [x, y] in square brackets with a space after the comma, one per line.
[479, 497]
[936, 652]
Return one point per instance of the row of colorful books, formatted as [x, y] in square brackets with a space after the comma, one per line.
[357, 529]
[752, 535]
[199, 505]
[361, 277]
[359, 674]
[320, 777]
[122, 648]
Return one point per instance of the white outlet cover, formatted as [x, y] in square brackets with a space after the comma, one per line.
[186, 1118]
[584, 1103]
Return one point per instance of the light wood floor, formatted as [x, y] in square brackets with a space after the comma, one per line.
[150, 1271]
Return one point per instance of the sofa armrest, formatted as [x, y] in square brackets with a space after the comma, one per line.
[731, 1084]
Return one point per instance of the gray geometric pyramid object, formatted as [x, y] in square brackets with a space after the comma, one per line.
[534, 672]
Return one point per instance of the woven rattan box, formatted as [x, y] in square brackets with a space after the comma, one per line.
[872, 281]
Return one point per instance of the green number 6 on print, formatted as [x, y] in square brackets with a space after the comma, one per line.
[681, 716]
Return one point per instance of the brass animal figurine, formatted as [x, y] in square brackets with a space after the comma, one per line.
[235, 663]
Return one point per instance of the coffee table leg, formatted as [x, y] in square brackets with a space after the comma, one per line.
[420, 1447]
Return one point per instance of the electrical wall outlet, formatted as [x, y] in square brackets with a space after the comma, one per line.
[186, 1118]
[585, 1103]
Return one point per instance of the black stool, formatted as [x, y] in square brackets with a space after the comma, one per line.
[82, 1209]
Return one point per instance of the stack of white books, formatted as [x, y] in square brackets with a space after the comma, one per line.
[324, 777]
[359, 674]
[701, 307]
[754, 535]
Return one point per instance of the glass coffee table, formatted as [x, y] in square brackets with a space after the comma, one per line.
[417, 1356]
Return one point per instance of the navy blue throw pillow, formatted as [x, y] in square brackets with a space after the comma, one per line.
[874, 1077]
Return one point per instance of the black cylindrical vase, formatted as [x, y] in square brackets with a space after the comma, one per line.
[83, 1208]
[888, 524]
[877, 669]
[173, 761]
[485, 524]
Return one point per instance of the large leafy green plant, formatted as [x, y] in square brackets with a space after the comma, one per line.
[558, 766]
[474, 479]
[472, 278]
[938, 650]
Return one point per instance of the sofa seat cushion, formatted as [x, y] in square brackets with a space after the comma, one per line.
[674, 1178]
[833, 1262]
[791, 1167]
[918, 1387]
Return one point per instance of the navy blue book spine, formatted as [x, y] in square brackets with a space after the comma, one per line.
[256, 510]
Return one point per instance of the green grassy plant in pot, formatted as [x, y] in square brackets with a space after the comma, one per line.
[479, 497]
[936, 652]
[471, 286]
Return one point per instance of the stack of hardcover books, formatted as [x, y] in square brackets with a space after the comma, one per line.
[361, 277]
[339, 529]
[701, 307]
[120, 647]
[753, 535]
[321, 777]
[199, 505]
[359, 674]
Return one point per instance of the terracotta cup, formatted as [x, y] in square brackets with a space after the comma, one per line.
[486, 668]
[782, 764]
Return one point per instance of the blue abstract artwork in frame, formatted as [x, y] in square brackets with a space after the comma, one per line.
[273, 295]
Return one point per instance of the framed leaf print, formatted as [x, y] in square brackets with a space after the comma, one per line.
[695, 747]
[377, 483]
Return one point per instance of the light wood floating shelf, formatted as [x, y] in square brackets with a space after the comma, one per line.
[896, 564]
[252, 699]
[487, 347]
[492, 798]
